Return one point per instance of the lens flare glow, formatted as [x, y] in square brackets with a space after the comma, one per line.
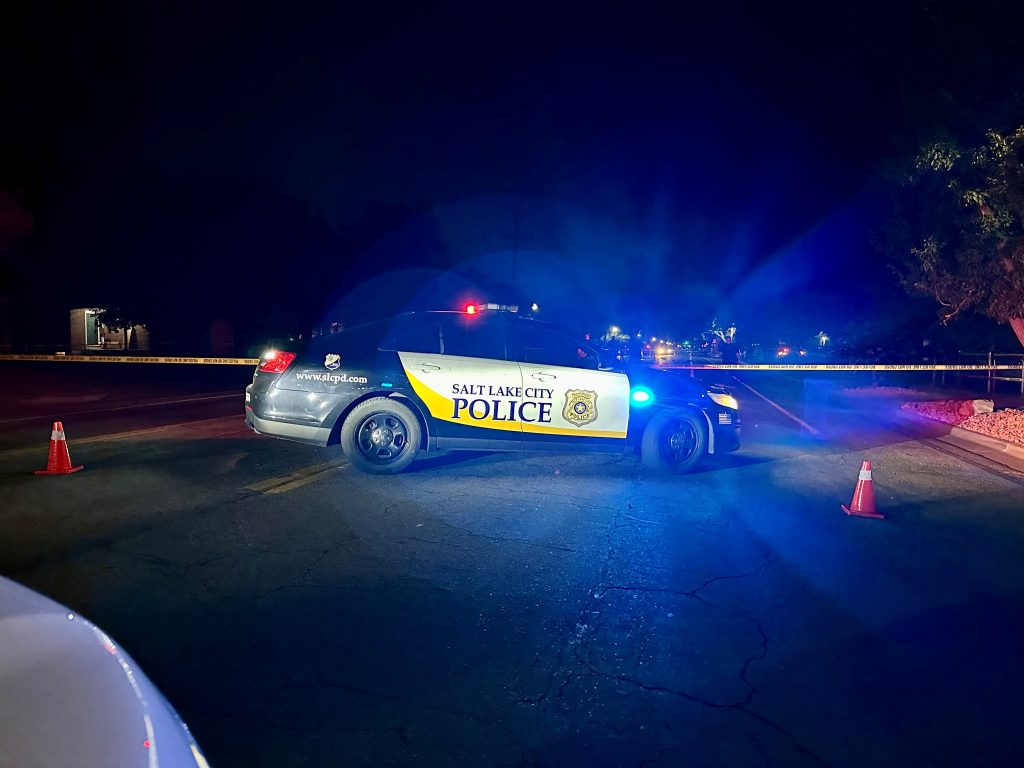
[641, 396]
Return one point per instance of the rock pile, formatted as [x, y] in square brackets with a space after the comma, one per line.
[976, 416]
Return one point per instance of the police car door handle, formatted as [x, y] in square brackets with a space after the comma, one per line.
[543, 376]
[428, 368]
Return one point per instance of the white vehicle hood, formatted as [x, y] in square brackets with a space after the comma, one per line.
[70, 696]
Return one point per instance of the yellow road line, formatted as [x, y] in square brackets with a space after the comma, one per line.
[294, 479]
[238, 421]
[303, 481]
[72, 441]
[129, 407]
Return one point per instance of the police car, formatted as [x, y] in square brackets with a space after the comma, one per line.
[481, 378]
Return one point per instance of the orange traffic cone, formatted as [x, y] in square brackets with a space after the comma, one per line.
[60, 460]
[863, 504]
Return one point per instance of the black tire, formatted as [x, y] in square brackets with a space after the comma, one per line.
[674, 441]
[381, 436]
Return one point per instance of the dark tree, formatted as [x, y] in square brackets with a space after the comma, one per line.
[123, 319]
[957, 234]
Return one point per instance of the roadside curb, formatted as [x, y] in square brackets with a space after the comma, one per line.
[989, 443]
[992, 448]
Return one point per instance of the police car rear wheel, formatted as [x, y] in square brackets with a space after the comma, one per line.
[381, 436]
[673, 442]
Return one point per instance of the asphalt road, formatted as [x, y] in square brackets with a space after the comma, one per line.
[490, 609]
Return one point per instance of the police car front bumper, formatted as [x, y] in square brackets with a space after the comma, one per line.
[727, 439]
[726, 426]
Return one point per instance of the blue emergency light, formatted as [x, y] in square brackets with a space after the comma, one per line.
[641, 396]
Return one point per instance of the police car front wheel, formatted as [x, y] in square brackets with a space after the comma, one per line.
[381, 436]
[673, 441]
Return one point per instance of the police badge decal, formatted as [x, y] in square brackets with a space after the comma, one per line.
[332, 362]
[580, 407]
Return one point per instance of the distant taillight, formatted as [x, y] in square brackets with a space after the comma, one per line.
[276, 362]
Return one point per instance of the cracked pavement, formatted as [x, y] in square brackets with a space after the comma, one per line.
[548, 610]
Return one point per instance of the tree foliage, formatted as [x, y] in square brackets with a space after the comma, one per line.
[958, 229]
[122, 318]
[727, 335]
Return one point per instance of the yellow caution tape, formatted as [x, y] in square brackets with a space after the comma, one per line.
[750, 367]
[137, 359]
[815, 367]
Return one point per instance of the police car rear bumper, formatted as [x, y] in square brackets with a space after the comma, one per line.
[300, 433]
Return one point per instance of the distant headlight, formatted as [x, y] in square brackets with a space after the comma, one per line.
[727, 401]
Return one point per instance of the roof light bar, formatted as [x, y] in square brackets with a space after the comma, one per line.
[472, 309]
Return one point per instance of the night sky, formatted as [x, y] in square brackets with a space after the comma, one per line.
[268, 167]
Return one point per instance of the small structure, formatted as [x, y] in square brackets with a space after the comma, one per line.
[88, 333]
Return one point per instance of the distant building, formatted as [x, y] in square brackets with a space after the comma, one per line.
[88, 333]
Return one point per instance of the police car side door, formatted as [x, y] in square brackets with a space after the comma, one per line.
[470, 390]
[583, 407]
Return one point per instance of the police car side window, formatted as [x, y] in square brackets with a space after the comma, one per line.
[472, 336]
[541, 345]
[413, 336]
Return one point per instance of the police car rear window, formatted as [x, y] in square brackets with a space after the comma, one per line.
[473, 336]
[412, 334]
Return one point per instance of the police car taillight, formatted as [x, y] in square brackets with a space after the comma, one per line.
[276, 361]
[471, 309]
